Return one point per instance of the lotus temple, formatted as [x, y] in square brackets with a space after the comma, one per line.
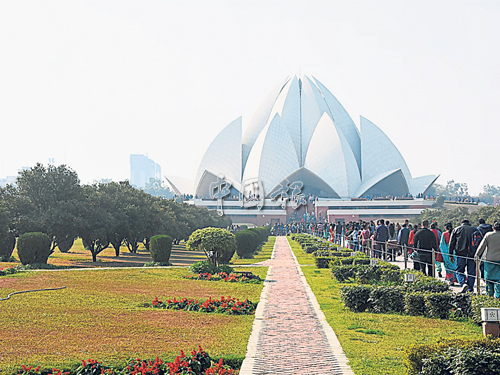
[303, 143]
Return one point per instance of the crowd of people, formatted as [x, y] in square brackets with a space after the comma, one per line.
[458, 250]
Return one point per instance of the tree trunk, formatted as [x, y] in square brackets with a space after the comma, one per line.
[94, 257]
[116, 246]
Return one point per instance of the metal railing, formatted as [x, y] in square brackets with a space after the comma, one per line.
[384, 253]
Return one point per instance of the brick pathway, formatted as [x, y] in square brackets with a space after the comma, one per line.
[290, 334]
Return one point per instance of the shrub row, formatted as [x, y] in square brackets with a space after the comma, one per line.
[450, 357]
[403, 300]
[384, 272]
[249, 241]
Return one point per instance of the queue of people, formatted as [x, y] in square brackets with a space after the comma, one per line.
[457, 250]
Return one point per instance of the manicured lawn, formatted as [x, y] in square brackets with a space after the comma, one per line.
[101, 315]
[302, 257]
[375, 343]
[264, 254]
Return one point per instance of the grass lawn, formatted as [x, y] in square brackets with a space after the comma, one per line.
[375, 343]
[264, 254]
[101, 315]
[302, 257]
[78, 257]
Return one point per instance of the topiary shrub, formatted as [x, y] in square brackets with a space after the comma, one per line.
[387, 299]
[356, 297]
[7, 245]
[482, 301]
[471, 357]
[438, 305]
[217, 243]
[415, 304]
[66, 244]
[160, 247]
[33, 248]
[462, 305]
[344, 273]
[245, 244]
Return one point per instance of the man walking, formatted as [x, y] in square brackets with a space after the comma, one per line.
[460, 244]
[425, 242]
[380, 237]
[403, 237]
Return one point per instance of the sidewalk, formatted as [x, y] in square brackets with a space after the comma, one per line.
[290, 334]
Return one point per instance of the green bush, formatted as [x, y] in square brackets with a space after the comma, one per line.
[415, 304]
[343, 273]
[66, 244]
[462, 304]
[33, 247]
[245, 244]
[217, 241]
[356, 297]
[160, 247]
[322, 262]
[438, 305]
[471, 357]
[7, 245]
[482, 301]
[387, 299]
[205, 266]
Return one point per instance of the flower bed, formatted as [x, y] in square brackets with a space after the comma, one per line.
[198, 363]
[230, 306]
[247, 277]
[10, 270]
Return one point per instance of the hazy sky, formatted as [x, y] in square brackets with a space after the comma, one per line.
[89, 83]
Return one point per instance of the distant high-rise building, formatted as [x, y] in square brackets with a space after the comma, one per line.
[142, 169]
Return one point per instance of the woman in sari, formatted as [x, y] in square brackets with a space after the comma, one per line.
[491, 243]
[449, 266]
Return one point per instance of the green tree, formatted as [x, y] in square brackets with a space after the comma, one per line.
[97, 223]
[49, 200]
[489, 193]
[157, 189]
[217, 243]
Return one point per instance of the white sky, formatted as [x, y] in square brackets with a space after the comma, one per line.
[89, 83]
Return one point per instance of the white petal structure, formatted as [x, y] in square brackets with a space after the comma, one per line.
[301, 132]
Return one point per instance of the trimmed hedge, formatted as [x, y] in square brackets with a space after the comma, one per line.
[401, 299]
[250, 240]
[7, 245]
[471, 357]
[33, 247]
[160, 247]
[66, 244]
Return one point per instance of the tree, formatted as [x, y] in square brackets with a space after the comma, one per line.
[489, 193]
[97, 223]
[215, 242]
[157, 189]
[49, 200]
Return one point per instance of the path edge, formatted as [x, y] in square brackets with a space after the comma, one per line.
[331, 337]
[249, 361]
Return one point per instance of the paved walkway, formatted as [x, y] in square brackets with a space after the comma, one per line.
[290, 334]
